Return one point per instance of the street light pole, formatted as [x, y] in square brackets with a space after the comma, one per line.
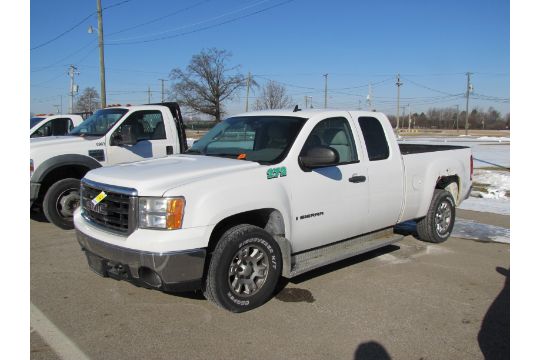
[101, 55]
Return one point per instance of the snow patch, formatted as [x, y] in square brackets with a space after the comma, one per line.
[491, 184]
[496, 206]
[469, 229]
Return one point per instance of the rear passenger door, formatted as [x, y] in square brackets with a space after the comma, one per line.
[385, 173]
[329, 204]
[151, 132]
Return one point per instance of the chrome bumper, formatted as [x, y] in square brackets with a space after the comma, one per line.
[170, 271]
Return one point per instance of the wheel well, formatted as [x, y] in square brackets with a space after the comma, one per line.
[451, 184]
[269, 219]
[59, 173]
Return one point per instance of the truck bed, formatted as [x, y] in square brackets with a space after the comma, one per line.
[407, 149]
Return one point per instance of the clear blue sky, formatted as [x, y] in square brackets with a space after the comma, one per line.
[431, 43]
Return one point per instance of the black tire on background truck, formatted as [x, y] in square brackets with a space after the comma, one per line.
[60, 201]
[437, 225]
[244, 269]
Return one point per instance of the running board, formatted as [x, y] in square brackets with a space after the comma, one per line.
[313, 259]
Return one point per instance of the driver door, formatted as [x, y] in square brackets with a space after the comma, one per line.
[330, 203]
[151, 133]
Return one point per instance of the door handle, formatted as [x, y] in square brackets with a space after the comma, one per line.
[357, 179]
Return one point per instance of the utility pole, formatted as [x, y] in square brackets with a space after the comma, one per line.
[149, 95]
[325, 90]
[72, 87]
[457, 119]
[369, 98]
[467, 106]
[247, 92]
[398, 83]
[162, 89]
[409, 105]
[101, 55]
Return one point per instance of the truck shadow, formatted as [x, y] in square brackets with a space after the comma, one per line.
[38, 215]
[343, 263]
[494, 335]
[371, 350]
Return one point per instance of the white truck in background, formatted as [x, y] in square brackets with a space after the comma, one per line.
[263, 195]
[53, 125]
[109, 136]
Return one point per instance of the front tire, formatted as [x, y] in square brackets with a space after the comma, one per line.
[244, 269]
[60, 202]
[437, 225]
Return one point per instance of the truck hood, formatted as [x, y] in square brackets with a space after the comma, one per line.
[155, 177]
[60, 141]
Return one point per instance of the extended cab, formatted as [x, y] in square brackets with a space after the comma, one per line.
[110, 136]
[264, 195]
[53, 125]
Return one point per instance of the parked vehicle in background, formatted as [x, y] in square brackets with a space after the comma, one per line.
[43, 125]
[110, 136]
[264, 195]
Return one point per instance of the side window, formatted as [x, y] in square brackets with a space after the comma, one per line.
[335, 133]
[70, 124]
[375, 139]
[147, 125]
[44, 130]
[60, 126]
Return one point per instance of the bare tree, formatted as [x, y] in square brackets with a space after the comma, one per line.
[274, 96]
[88, 101]
[206, 83]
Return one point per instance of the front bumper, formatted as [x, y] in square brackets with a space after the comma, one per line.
[168, 271]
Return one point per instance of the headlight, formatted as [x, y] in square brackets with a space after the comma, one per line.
[161, 213]
[31, 167]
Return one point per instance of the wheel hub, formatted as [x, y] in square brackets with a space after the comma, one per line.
[67, 202]
[443, 215]
[248, 270]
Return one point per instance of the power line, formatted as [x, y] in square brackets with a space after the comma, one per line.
[427, 87]
[206, 27]
[76, 25]
[159, 18]
[258, 2]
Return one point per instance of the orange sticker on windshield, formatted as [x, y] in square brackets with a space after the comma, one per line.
[241, 156]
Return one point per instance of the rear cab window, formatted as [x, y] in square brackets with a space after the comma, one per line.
[375, 138]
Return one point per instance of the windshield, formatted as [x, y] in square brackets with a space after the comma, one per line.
[264, 139]
[35, 120]
[99, 123]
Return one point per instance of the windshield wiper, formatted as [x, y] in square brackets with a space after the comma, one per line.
[191, 151]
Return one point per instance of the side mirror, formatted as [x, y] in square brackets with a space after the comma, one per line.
[124, 137]
[319, 156]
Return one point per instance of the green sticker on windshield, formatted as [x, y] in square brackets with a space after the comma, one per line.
[276, 172]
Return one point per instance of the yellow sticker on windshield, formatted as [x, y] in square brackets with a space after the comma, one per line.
[98, 198]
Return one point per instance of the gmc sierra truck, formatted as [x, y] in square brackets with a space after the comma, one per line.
[263, 195]
[110, 136]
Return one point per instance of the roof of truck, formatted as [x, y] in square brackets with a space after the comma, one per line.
[306, 113]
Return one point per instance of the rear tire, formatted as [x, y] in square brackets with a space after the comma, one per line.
[437, 225]
[60, 202]
[244, 269]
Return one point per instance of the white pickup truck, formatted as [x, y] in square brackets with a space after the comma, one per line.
[110, 136]
[264, 195]
[53, 125]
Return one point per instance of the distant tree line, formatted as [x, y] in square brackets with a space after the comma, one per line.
[445, 118]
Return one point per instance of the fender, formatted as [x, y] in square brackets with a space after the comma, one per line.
[61, 160]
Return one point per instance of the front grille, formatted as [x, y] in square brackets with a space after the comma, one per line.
[115, 212]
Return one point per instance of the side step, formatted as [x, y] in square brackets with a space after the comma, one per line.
[313, 259]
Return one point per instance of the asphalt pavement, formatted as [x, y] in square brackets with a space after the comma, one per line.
[411, 300]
